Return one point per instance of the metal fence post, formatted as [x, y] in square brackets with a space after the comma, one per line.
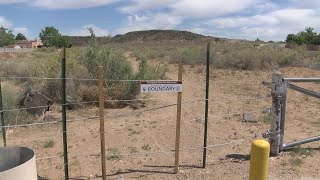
[277, 93]
[3, 129]
[101, 114]
[283, 113]
[206, 109]
[64, 113]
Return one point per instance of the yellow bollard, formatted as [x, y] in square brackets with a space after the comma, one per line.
[259, 160]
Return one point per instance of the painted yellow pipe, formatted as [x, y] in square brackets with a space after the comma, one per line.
[259, 160]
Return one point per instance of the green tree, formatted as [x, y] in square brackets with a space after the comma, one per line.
[51, 36]
[310, 35]
[298, 39]
[6, 37]
[316, 40]
[61, 41]
[20, 36]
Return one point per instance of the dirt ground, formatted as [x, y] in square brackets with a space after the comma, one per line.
[140, 142]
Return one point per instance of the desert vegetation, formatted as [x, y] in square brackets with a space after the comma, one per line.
[242, 64]
[308, 36]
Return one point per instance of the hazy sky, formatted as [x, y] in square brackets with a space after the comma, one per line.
[241, 19]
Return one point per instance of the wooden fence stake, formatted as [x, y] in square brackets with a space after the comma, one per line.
[177, 145]
[277, 91]
[101, 115]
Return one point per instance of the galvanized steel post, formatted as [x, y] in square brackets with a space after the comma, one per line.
[3, 129]
[283, 114]
[277, 93]
[206, 109]
[64, 113]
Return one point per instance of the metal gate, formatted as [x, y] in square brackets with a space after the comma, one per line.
[279, 87]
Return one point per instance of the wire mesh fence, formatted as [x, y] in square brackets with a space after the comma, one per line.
[137, 136]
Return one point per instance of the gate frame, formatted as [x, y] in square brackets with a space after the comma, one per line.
[279, 88]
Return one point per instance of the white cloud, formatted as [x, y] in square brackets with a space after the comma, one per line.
[273, 25]
[234, 22]
[304, 3]
[139, 5]
[196, 9]
[83, 31]
[61, 4]
[149, 21]
[15, 30]
[4, 22]
[11, 1]
[209, 8]
[25, 31]
[70, 4]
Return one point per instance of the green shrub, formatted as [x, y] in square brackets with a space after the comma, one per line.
[10, 96]
[49, 143]
[116, 67]
[114, 154]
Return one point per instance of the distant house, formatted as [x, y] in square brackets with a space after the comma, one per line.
[29, 44]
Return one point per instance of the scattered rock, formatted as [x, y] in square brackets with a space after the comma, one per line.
[35, 102]
[266, 84]
[73, 103]
[266, 110]
[273, 158]
[249, 117]
[135, 104]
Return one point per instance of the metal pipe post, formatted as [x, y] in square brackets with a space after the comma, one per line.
[205, 139]
[3, 129]
[64, 114]
[277, 93]
[304, 91]
[283, 113]
[304, 141]
[283, 118]
[302, 79]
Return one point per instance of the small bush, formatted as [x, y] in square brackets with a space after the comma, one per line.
[133, 150]
[146, 147]
[49, 143]
[113, 154]
[296, 161]
[299, 151]
[116, 67]
[297, 155]
[10, 96]
[266, 118]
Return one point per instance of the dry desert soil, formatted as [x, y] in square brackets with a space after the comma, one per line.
[140, 141]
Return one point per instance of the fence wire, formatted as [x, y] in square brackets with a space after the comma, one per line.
[169, 151]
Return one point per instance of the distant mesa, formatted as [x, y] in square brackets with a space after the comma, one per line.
[158, 36]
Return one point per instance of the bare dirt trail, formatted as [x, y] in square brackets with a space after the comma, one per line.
[132, 59]
[139, 144]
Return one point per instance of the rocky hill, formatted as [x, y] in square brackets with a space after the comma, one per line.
[148, 36]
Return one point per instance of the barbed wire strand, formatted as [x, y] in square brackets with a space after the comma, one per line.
[106, 80]
[114, 116]
[147, 153]
[134, 100]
